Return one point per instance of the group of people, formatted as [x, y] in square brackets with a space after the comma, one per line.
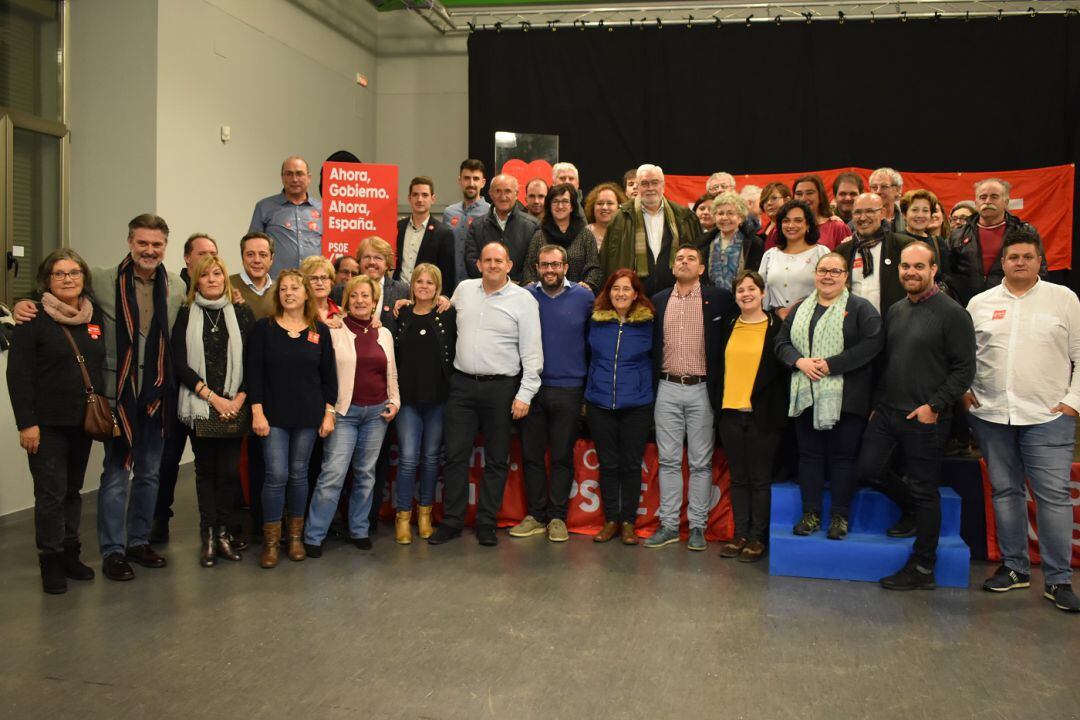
[788, 327]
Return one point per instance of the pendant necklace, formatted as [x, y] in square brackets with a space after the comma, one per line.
[213, 322]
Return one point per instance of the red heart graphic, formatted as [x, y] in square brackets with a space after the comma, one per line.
[524, 172]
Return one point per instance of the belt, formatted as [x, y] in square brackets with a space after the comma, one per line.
[485, 378]
[683, 379]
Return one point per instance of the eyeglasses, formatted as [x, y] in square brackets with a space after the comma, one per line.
[865, 211]
[879, 188]
[318, 279]
[831, 272]
[649, 183]
[61, 275]
[561, 201]
[550, 265]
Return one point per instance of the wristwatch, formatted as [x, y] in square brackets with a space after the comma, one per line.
[936, 407]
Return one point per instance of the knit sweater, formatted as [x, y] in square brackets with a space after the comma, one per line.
[564, 327]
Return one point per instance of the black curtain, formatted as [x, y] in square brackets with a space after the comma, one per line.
[920, 95]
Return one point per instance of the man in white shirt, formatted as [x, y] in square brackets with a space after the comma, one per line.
[497, 372]
[1023, 406]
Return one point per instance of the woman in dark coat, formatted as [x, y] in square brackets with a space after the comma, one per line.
[563, 226]
[48, 397]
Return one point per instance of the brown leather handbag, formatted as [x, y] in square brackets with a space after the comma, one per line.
[98, 420]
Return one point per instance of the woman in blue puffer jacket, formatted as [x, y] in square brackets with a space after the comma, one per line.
[619, 397]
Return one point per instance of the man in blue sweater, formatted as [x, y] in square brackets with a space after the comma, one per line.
[552, 422]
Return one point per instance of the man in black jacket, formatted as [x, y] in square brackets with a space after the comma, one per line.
[422, 239]
[976, 245]
[930, 363]
[504, 223]
[685, 359]
[873, 254]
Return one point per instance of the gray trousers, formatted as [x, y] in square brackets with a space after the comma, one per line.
[684, 411]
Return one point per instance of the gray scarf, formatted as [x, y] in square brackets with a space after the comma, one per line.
[192, 407]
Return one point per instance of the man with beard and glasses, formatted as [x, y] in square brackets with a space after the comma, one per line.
[552, 422]
[873, 254]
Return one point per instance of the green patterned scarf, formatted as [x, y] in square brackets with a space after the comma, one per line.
[827, 394]
[641, 239]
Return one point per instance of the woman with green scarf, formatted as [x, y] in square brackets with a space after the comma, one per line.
[829, 340]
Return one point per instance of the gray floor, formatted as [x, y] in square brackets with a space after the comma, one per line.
[530, 629]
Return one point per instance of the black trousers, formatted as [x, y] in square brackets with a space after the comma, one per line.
[58, 469]
[175, 439]
[217, 480]
[485, 406]
[917, 492]
[828, 454]
[620, 437]
[552, 423]
[750, 452]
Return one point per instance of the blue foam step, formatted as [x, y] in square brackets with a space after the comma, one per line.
[867, 553]
[871, 511]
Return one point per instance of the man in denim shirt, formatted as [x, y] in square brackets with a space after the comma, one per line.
[292, 217]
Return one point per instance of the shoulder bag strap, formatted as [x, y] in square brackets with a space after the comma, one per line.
[79, 359]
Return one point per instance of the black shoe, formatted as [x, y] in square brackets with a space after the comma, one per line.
[444, 533]
[363, 543]
[373, 526]
[910, 577]
[486, 536]
[808, 525]
[313, 551]
[144, 555]
[74, 568]
[159, 531]
[1063, 597]
[1006, 579]
[53, 580]
[116, 567]
[226, 546]
[838, 528]
[904, 529]
[207, 548]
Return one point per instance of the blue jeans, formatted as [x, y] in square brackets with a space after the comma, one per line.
[419, 435]
[1043, 453]
[286, 454]
[684, 411]
[355, 441]
[125, 513]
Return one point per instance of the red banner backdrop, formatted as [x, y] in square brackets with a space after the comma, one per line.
[992, 550]
[1041, 196]
[359, 200]
[585, 512]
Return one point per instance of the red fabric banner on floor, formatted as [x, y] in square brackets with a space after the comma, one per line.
[992, 550]
[585, 512]
[1041, 196]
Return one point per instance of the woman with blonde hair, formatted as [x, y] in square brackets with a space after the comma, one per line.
[367, 400]
[208, 356]
[425, 343]
[320, 274]
[292, 385]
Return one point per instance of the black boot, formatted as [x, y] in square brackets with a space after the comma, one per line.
[74, 568]
[53, 580]
[159, 531]
[224, 545]
[208, 548]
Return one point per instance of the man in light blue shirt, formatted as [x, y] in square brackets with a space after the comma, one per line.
[461, 215]
[497, 372]
[293, 218]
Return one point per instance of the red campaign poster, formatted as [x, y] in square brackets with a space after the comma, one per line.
[585, 512]
[1041, 196]
[992, 550]
[359, 200]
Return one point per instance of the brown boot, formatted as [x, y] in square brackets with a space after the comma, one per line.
[271, 548]
[629, 537]
[402, 528]
[423, 522]
[296, 539]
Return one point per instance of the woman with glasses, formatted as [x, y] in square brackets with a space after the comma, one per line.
[601, 204]
[48, 400]
[831, 230]
[962, 212]
[788, 268]
[563, 226]
[829, 341]
[320, 274]
[729, 249]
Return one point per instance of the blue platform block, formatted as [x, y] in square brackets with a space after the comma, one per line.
[867, 553]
